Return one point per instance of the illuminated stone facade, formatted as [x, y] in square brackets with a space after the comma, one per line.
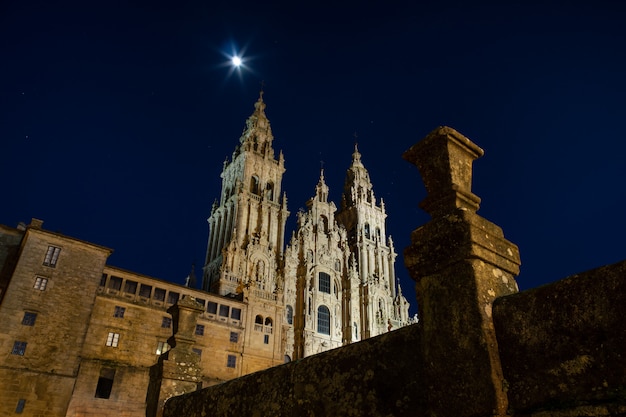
[82, 338]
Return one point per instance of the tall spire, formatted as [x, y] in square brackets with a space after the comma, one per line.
[257, 135]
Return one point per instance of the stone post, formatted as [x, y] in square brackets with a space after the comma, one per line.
[461, 263]
[178, 371]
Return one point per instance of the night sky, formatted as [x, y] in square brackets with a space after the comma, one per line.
[115, 118]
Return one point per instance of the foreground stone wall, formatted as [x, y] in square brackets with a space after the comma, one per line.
[380, 376]
[563, 346]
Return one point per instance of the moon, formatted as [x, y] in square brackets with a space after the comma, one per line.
[236, 61]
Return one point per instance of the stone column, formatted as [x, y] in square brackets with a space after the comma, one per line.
[178, 370]
[461, 263]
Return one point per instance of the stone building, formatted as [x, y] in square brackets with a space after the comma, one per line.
[82, 338]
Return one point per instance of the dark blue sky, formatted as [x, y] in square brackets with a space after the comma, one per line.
[115, 118]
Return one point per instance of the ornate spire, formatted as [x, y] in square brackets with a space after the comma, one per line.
[257, 135]
[356, 156]
[321, 190]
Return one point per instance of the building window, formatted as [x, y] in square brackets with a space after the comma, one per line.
[211, 307]
[224, 310]
[201, 301]
[235, 313]
[113, 339]
[145, 290]
[268, 325]
[162, 347]
[20, 406]
[231, 362]
[197, 351]
[166, 322]
[367, 230]
[119, 312]
[40, 283]
[115, 283]
[254, 185]
[105, 383]
[52, 255]
[289, 314]
[258, 323]
[324, 282]
[234, 337]
[266, 339]
[172, 297]
[323, 320]
[19, 348]
[103, 280]
[159, 294]
[130, 287]
[29, 319]
[199, 329]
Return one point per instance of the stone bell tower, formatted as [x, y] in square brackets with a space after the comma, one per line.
[247, 226]
[364, 220]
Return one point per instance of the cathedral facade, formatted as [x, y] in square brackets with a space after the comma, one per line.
[335, 280]
[80, 337]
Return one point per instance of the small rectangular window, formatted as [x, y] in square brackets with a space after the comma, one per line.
[20, 406]
[266, 339]
[197, 351]
[105, 383]
[103, 280]
[166, 323]
[224, 310]
[145, 291]
[159, 294]
[115, 283]
[19, 348]
[234, 337]
[162, 347]
[130, 287]
[199, 329]
[29, 319]
[172, 297]
[201, 301]
[52, 255]
[40, 283]
[211, 307]
[113, 339]
[231, 362]
[235, 313]
[119, 312]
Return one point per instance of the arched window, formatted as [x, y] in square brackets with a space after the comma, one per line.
[258, 323]
[323, 320]
[324, 223]
[254, 185]
[367, 230]
[324, 282]
[268, 325]
[269, 191]
[289, 314]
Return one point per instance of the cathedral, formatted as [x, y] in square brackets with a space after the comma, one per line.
[80, 337]
[335, 280]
